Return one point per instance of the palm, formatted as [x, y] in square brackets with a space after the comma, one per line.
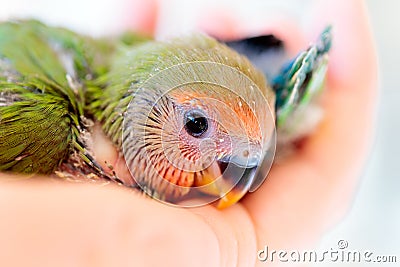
[53, 221]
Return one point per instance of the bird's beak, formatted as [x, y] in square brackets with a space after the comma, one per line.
[229, 179]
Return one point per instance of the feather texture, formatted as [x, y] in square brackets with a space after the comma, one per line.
[43, 72]
[53, 82]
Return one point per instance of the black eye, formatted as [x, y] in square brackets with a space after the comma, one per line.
[196, 123]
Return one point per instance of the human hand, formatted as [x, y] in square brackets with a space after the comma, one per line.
[56, 223]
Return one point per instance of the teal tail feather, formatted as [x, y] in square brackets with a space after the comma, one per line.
[302, 79]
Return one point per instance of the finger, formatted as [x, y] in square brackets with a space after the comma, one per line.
[109, 157]
[141, 16]
[232, 227]
[342, 140]
[235, 233]
[49, 223]
[303, 196]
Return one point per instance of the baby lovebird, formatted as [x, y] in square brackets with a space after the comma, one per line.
[196, 120]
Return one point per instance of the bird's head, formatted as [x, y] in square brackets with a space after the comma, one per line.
[199, 131]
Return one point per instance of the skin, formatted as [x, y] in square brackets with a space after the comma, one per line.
[47, 222]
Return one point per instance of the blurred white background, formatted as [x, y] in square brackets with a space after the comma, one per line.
[374, 220]
[94, 17]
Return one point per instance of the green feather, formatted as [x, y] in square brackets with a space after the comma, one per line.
[135, 64]
[52, 81]
[43, 75]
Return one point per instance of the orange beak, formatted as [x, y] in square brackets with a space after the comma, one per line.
[228, 180]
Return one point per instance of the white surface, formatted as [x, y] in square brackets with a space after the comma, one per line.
[93, 17]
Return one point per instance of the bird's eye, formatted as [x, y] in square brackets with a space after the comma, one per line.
[196, 123]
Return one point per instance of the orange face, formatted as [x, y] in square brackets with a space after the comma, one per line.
[201, 141]
[198, 131]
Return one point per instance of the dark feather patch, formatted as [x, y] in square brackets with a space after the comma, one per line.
[266, 52]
